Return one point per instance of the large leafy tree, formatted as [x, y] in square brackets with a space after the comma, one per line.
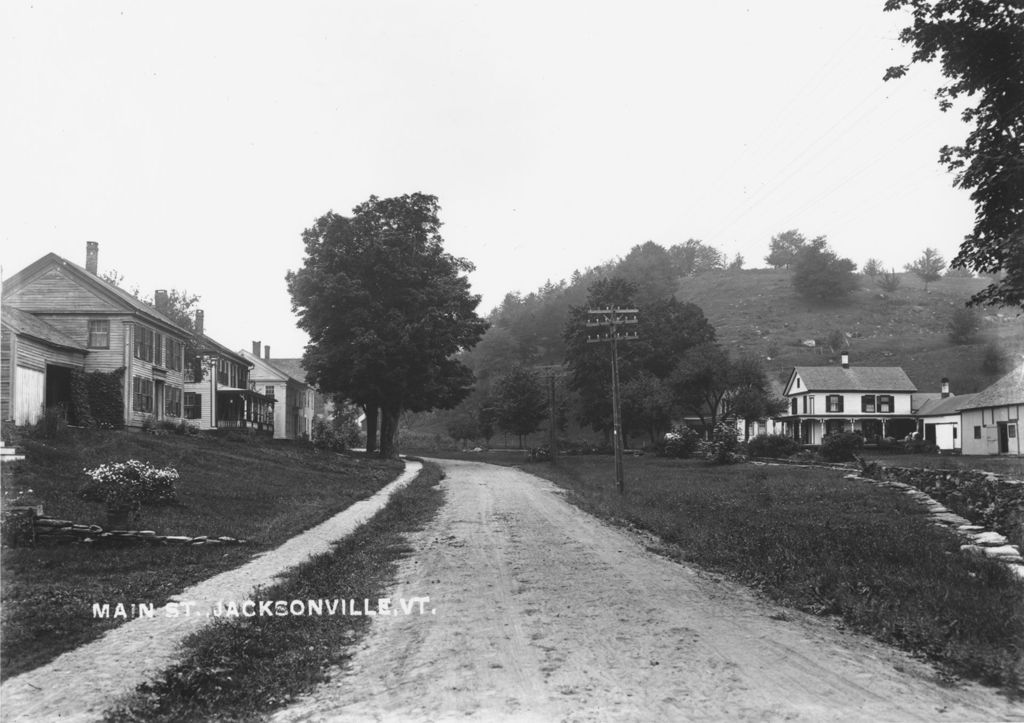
[980, 44]
[783, 248]
[521, 402]
[667, 328]
[386, 308]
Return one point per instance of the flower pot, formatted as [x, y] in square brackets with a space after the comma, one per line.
[122, 516]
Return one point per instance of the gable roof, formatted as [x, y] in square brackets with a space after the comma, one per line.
[938, 405]
[1008, 390]
[264, 369]
[206, 344]
[854, 379]
[291, 367]
[94, 283]
[25, 324]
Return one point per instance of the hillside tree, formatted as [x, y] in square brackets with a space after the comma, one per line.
[928, 266]
[980, 44]
[872, 267]
[386, 308]
[821, 275]
[783, 248]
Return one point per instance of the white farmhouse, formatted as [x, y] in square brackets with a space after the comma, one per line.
[873, 401]
[991, 420]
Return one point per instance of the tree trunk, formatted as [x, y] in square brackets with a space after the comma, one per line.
[388, 431]
[371, 427]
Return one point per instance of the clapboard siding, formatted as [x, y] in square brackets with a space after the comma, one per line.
[55, 289]
[6, 357]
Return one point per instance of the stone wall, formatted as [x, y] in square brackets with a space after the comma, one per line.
[984, 498]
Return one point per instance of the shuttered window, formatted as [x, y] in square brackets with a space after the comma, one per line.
[142, 394]
[143, 343]
[174, 354]
[193, 405]
[867, 403]
[172, 402]
[834, 402]
[884, 404]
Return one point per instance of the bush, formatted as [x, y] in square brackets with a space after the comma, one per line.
[326, 436]
[724, 447]
[131, 481]
[53, 424]
[841, 446]
[920, 446]
[681, 443]
[772, 445]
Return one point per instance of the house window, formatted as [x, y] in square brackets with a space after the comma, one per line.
[793, 406]
[955, 433]
[99, 334]
[798, 382]
[193, 405]
[269, 391]
[222, 372]
[174, 354]
[158, 349]
[142, 394]
[977, 432]
[143, 343]
[1011, 431]
[834, 402]
[867, 403]
[805, 405]
[172, 402]
[885, 404]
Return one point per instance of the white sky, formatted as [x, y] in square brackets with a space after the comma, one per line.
[196, 140]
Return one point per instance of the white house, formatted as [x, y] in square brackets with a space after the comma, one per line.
[294, 409]
[938, 417]
[991, 420]
[874, 401]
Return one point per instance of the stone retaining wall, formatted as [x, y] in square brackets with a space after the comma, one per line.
[50, 530]
[984, 498]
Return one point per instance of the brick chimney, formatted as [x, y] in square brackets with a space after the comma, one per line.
[945, 387]
[844, 359]
[92, 257]
[200, 319]
[161, 300]
[256, 349]
[266, 352]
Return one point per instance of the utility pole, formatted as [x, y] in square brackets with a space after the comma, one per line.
[612, 319]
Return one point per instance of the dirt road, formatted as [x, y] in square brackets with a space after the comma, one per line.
[542, 612]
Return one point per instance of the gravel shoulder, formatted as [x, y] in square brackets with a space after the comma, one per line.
[539, 611]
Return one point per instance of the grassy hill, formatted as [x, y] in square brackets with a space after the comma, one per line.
[759, 311]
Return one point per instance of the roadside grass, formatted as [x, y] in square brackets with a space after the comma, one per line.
[241, 668]
[262, 492]
[809, 539]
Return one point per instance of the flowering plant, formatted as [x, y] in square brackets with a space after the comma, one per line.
[130, 483]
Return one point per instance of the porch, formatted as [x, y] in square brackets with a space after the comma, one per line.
[244, 409]
[812, 429]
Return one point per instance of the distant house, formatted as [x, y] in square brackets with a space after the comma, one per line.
[322, 404]
[991, 419]
[294, 399]
[219, 393]
[939, 417]
[873, 401]
[59, 317]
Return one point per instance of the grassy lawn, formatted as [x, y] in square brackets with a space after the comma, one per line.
[263, 493]
[241, 668]
[812, 540]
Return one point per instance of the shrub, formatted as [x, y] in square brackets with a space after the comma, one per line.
[52, 424]
[841, 446]
[724, 447]
[772, 445]
[920, 446]
[326, 436]
[681, 442]
[129, 482]
[889, 280]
